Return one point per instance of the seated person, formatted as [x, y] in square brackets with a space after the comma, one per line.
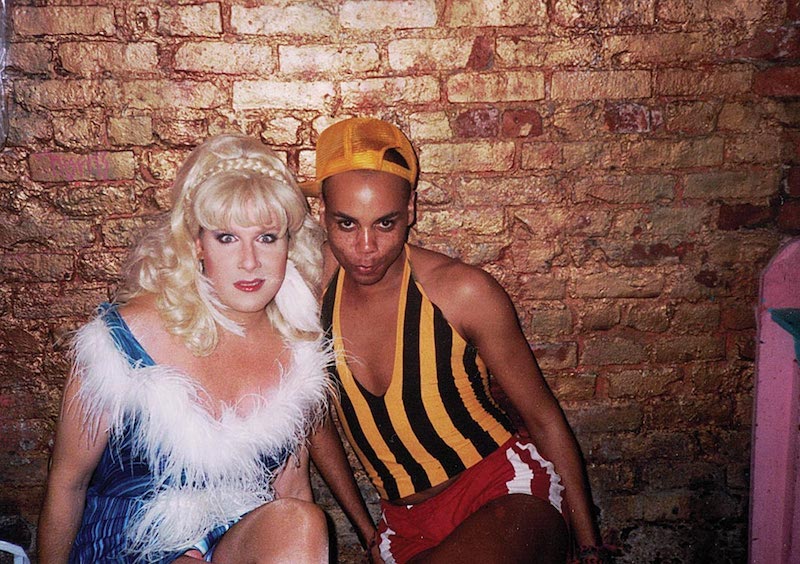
[183, 425]
[417, 336]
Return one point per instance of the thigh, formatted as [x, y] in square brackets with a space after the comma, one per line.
[515, 528]
[285, 530]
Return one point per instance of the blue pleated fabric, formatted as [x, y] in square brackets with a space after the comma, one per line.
[121, 481]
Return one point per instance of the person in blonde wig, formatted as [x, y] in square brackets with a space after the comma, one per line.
[166, 262]
[182, 434]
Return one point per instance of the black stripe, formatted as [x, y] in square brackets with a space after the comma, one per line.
[380, 414]
[326, 312]
[456, 409]
[389, 482]
[481, 393]
[360, 439]
[421, 423]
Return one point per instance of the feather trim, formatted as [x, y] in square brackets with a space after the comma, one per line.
[197, 485]
[214, 306]
[296, 301]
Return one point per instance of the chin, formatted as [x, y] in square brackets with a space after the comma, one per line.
[368, 280]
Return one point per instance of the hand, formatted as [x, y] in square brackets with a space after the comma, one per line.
[373, 551]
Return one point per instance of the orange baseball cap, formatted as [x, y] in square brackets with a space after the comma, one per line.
[361, 144]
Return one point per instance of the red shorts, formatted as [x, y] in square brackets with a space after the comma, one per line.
[515, 468]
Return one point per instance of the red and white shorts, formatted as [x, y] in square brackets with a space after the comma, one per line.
[515, 468]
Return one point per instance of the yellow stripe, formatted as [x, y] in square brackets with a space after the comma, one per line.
[432, 400]
[394, 396]
[495, 429]
[369, 428]
[479, 414]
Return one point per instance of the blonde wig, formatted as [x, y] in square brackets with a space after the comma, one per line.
[228, 179]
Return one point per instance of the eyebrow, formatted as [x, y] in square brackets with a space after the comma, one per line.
[392, 215]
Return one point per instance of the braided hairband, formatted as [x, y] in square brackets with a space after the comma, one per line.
[240, 163]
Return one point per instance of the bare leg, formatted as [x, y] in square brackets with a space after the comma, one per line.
[284, 531]
[515, 528]
[191, 557]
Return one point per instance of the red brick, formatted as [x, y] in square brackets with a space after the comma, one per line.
[478, 123]
[482, 55]
[789, 216]
[521, 123]
[683, 11]
[647, 318]
[793, 181]
[628, 117]
[35, 267]
[778, 82]
[599, 85]
[615, 13]
[613, 418]
[642, 383]
[20, 340]
[556, 356]
[691, 116]
[772, 44]
[717, 81]
[738, 316]
[688, 348]
[612, 350]
[58, 20]
[576, 13]
[65, 167]
[655, 253]
[793, 10]
[633, 283]
[691, 412]
[732, 217]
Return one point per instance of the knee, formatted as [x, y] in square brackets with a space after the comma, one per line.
[285, 531]
[303, 531]
[305, 518]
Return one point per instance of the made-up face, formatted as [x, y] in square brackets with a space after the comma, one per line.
[246, 266]
[367, 215]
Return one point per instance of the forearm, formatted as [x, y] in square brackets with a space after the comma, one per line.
[59, 523]
[331, 461]
[293, 481]
[558, 444]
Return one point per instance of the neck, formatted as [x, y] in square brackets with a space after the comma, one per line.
[251, 322]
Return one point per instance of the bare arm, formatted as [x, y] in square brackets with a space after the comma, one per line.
[293, 480]
[495, 330]
[76, 454]
[330, 459]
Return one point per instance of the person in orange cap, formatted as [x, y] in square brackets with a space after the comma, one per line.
[417, 336]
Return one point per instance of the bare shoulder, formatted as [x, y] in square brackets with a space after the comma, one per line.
[142, 317]
[453, 285]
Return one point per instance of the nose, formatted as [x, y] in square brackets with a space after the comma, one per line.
[248, 258]
[365, 242]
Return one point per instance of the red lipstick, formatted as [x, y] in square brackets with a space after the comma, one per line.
[249, 285]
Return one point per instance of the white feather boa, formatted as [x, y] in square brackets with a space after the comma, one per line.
[206, 471]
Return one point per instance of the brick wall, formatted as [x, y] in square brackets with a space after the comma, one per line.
[625, 168]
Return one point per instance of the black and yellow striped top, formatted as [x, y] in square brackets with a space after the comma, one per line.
[437, 417]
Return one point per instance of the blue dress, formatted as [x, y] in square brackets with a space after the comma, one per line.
[142, 493]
